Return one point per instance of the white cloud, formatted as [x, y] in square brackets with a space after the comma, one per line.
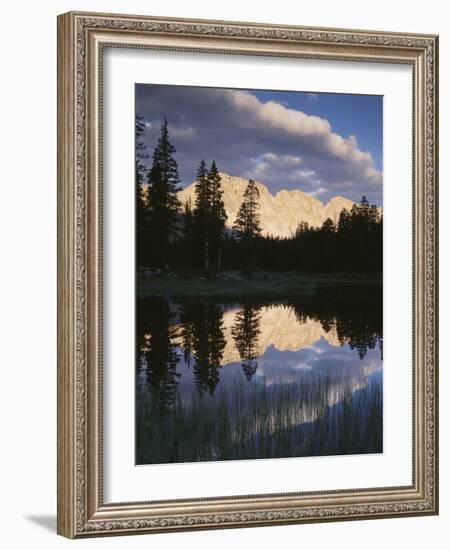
[276, 116]
[181, 132]
[297, 124]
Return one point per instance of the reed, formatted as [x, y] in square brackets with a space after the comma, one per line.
[249, 420]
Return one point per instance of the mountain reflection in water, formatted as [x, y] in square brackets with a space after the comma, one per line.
[254, 379]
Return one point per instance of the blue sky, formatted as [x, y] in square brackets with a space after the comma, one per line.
[324, 144]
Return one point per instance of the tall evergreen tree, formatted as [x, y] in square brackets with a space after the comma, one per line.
[217, 215]
[364, 202]
[344, 221]
[247, 225]
[202, 213]
[140, 191]
[361, 214]
[328, 226]
[188, 234]
[247, 228]
[374, 215]
[164, 205]
[140, 150]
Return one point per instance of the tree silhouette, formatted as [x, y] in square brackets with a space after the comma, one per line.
[161, 356]
[217, 215]
[247, 227]
[202, 212]
[141, 151]
[188, 230]
[141, 192]
[328, 226]
[164, 205]
[208, 344]
[245, 332]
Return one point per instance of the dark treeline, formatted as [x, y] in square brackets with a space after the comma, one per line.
[354, 244]
[195, 237]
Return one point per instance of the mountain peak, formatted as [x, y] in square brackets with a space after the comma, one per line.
[281, 214]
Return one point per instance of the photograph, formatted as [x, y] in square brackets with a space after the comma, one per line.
[247, 273]
[259, 274]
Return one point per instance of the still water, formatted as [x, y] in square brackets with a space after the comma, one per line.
[258, 379]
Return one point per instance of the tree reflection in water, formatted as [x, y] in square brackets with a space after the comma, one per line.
[245, 333]
[208, 342]
[216, 383]
[159, 353]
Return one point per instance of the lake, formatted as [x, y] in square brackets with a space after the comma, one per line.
[259, 378]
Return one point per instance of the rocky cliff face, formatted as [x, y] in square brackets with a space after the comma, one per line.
[280, 214]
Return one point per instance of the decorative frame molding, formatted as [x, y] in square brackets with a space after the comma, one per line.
[81, 37]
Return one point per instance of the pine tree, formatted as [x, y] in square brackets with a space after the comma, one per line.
[217, 215]
[344, 221]
[327, 246]
[364, 202]
[202, 213]
[188, 233]
[362, 222]
[140, 191]
[164, 205]
[302, 228]
[247, 228]
[140, 150]
[328, 226]
[247, 225]
[141, 156]
[374, 215]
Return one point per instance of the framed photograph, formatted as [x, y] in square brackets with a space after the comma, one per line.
[247, 280]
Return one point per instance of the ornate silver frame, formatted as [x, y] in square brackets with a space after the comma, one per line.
[81, 38]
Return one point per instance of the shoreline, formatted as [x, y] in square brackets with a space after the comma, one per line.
[232, 284]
